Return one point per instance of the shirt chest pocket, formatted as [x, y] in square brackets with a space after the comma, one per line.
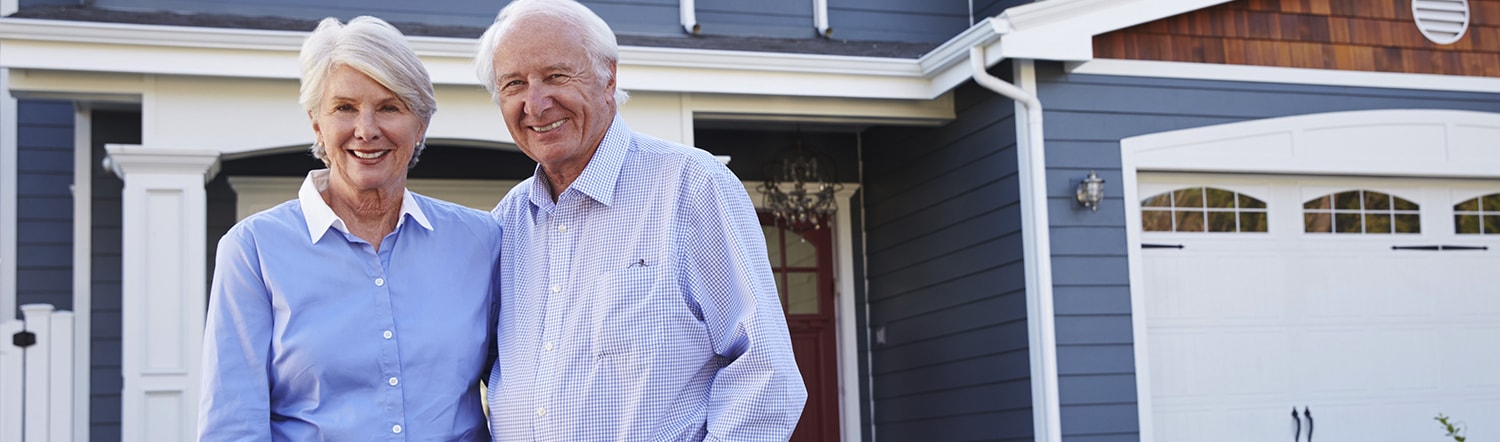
[628, 304]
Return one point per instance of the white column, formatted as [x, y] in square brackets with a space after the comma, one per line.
[164, 288]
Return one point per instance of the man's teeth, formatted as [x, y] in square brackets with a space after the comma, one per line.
[370, 155]
[549, 127]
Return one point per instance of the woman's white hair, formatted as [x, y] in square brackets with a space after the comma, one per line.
[598, 39]
[374, 48]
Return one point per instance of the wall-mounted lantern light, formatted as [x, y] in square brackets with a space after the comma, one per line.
[1091, 191]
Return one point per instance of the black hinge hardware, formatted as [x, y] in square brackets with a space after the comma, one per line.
[1161, 246]
[1439, 248]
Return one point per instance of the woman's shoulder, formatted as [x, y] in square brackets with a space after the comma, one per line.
[440, 212]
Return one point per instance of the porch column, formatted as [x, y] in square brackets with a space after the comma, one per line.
[163, 288]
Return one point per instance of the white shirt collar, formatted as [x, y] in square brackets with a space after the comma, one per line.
[320, 217]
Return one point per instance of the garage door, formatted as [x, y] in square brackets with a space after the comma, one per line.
[1367, 306]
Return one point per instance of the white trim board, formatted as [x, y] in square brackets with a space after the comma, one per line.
[1460, 146]
[83, 268]
[1272, 74]
[8, 182]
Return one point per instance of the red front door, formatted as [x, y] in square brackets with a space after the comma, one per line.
[803, 267]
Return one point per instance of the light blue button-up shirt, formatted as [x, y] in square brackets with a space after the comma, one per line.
[640, 306]
[314, 335]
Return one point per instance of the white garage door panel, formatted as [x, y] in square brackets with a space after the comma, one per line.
[1376, 341]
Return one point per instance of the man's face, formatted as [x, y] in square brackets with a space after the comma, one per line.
[555, 102]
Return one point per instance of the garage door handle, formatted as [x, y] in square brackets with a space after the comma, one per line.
[1439, 248]
[1307, 412]
[1161, 246]
[1297, 431]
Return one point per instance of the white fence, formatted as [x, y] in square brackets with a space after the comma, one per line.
[36, 376]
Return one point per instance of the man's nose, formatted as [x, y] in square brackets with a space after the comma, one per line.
[538, 100]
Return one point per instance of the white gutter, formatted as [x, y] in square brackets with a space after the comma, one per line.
[689, 14]
[820, 18]
[1036, 243]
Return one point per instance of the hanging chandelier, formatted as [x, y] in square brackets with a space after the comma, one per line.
[800, 188]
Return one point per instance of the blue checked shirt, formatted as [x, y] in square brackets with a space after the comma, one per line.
[640, 306]
[314, 335]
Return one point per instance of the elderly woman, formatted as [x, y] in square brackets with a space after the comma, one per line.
[358, 311]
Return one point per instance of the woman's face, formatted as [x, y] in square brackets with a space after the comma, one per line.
[368, 134]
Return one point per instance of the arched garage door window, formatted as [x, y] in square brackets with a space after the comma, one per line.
[1360, 211]
[1478, 216]
[1203, 209]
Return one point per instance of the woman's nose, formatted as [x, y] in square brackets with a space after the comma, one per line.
[365, 127]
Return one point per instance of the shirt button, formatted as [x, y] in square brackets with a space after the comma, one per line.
[393, 381]
[541, 411]
[396, 429]
[547, 346]
[387, 334]
[562, 229]
[556, 288]
[380, 282]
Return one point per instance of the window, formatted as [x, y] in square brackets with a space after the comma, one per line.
[1360, 211]
[1478, 216]
[1203, 209]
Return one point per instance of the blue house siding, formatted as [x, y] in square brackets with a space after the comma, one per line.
[109, 127]
[44, 203]
[1086, 116]
[855, 20]
[946, 286]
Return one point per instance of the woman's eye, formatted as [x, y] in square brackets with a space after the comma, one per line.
[390, 108]
[343, 108]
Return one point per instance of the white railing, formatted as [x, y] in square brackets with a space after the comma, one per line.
[36, 376]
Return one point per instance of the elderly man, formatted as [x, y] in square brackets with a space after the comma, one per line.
[637, 302]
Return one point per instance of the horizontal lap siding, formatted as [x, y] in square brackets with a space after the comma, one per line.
[106, 382]
[856, 20]
[1086, 116]
[44, 203]
[946, 281]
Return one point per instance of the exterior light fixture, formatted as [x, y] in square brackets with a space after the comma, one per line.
[1091, 191]
[800, 187]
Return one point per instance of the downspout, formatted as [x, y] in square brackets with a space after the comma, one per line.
[1036, 240]
[820, 18]
[689, 14]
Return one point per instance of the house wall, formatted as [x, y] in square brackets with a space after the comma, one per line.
[107, 127]
[945, 273]
[1086, 116]
[44, 204]
[859, 20]
[1362, 35]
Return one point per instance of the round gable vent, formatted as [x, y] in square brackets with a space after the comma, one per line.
[1442, 21]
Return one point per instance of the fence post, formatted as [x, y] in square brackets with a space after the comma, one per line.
[60, 416]
[11, 391]
[38, 378]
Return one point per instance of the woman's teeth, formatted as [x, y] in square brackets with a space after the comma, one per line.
[549, 127]
[370, 155]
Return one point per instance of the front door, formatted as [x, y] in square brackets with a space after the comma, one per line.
[803, 268]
